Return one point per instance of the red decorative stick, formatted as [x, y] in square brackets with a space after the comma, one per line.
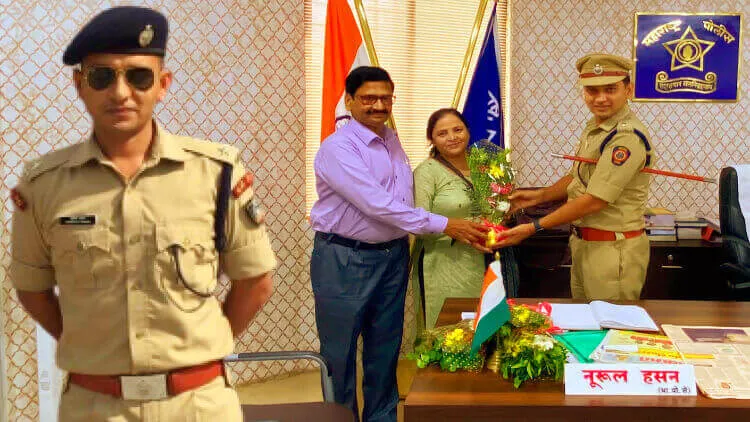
[644, 170]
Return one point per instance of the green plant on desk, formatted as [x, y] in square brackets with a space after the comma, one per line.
[449, 347]
[527, 351]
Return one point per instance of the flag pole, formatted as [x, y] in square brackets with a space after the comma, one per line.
[369, 45]
[508, 103]
[469, 52]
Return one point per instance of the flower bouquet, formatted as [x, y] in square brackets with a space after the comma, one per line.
[492, 177]
[526, 349]
[448, 346]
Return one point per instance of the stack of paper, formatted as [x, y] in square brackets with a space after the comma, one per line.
[633, 347]
[661, 227]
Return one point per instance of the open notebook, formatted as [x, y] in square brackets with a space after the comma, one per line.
[599, 314]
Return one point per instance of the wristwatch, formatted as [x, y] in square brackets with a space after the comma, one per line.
[537, 227]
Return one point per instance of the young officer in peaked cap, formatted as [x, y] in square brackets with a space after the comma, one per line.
[605, 201]
[132, 226]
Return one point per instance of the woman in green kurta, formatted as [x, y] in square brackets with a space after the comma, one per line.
[442, 267]
[441, 186]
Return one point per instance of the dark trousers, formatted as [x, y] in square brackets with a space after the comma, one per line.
[361, 291]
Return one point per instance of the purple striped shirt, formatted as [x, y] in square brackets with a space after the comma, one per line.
[366, 188]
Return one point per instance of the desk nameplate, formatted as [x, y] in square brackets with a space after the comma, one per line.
[630, 379]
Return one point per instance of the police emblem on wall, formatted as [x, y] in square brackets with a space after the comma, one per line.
[687, 57]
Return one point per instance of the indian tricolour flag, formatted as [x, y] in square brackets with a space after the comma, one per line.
[343, 51]
[493, 309]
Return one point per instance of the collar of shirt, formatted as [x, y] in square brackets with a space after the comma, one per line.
[610, 123]
[164, 146]
[367, 136]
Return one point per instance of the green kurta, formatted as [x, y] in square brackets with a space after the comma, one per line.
[450, 270]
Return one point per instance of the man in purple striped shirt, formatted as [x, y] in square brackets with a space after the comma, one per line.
[359, 265]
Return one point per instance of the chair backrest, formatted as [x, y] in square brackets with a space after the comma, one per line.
[730, 214]
[326, 378]
[733, 229]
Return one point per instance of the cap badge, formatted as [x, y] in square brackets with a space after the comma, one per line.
[146, 36]
[598, 69]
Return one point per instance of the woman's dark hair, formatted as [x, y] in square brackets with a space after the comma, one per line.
[362, 74]
[437, 115]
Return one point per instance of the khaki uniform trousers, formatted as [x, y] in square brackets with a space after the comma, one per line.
[213, 402]
[604, 270]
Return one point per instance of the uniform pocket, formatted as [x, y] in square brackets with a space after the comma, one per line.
[82, 258]
[186, 265]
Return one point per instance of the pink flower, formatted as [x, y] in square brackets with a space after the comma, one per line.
[497, 188]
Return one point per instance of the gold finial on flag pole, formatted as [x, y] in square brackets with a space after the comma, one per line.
[369, 45]
[469, 52]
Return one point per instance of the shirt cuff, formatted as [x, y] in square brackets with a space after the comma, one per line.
[437, 223]
[605, 191]
[29, 278]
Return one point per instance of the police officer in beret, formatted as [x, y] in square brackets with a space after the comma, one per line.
[132, 226]
[605, 201]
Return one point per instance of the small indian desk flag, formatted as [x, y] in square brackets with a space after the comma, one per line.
[493, 310]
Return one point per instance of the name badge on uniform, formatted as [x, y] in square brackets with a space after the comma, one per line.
[256, 213]
[78, 220]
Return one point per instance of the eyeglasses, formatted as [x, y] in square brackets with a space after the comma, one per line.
[372, 99]
[101, 77]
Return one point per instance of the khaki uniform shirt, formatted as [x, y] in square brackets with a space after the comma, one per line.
[104, 242]
[620, 183]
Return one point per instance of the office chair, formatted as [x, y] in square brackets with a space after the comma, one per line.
[327, 411]
[734, 236]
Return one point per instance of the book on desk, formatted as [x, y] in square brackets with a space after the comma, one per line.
[599, 314]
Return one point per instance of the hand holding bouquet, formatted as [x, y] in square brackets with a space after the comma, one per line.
[492, 177]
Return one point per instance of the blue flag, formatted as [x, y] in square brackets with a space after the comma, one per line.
[482, 108]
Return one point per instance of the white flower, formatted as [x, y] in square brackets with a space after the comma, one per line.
[503, 206]
[543, 342]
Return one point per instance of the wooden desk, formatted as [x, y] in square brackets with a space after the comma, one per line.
[682, 270]
[463, 396]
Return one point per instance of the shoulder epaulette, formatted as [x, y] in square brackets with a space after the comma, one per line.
[217, 151]
[625, 127]
[48, 162]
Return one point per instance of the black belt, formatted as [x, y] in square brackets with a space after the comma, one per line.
[358, 244]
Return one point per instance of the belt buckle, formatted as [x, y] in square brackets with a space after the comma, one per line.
[144, 387]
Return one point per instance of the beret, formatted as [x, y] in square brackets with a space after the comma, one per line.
[120, 30]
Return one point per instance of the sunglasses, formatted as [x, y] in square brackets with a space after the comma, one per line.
[101, 77]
